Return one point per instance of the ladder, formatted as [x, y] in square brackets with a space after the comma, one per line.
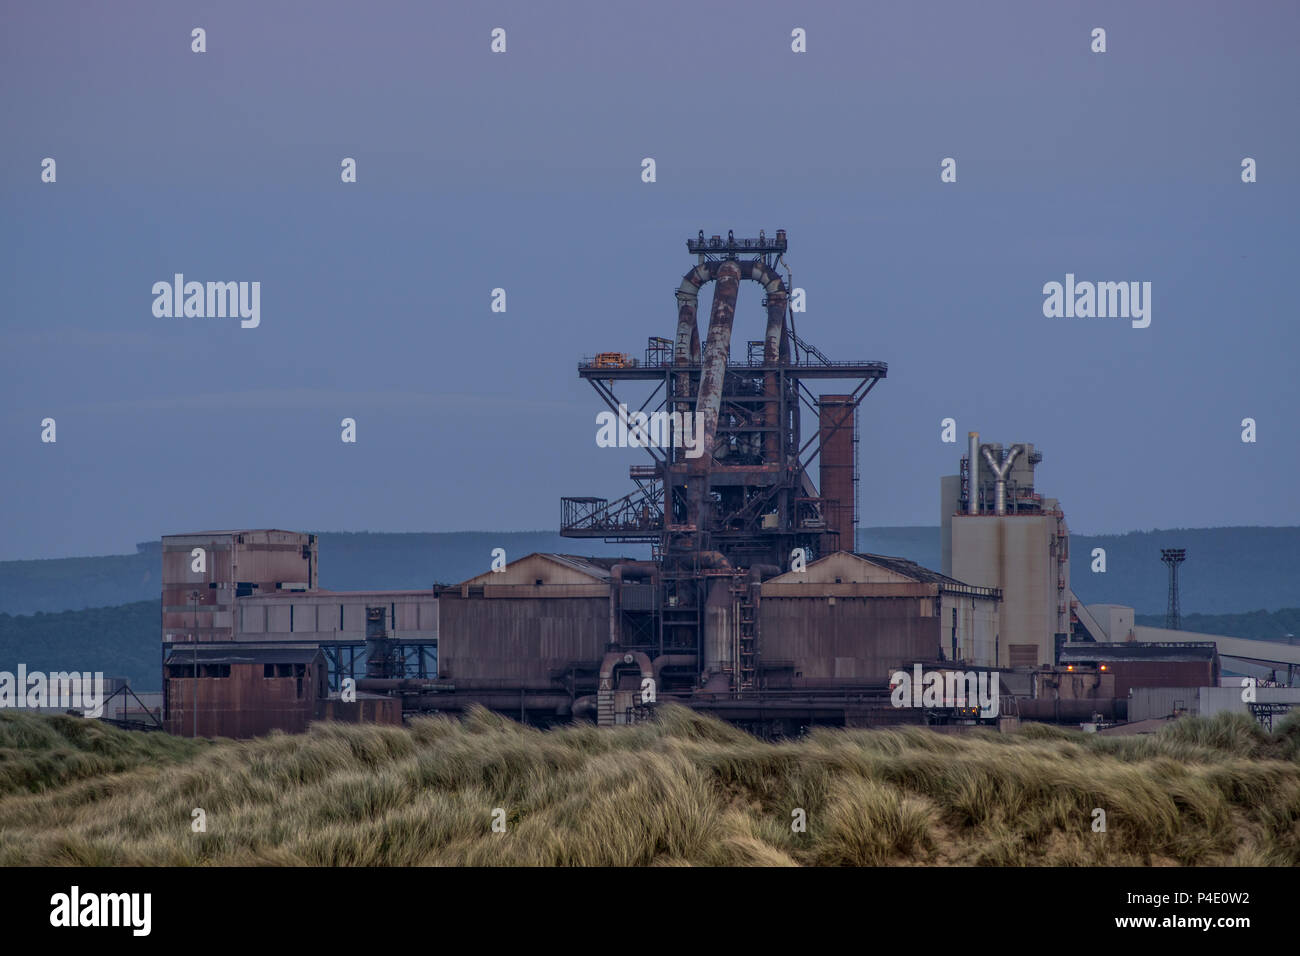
[745, 612]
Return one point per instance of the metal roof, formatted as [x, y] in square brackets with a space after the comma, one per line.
[1083, 652]
[909, 569]
[244, 655]
[597, 567]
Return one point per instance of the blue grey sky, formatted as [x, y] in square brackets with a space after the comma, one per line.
[522, 170]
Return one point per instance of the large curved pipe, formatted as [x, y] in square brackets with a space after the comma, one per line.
[713, 372]
[686, 348]
[717, 349]
[776, 344]
[727, 273]
[1000, 471]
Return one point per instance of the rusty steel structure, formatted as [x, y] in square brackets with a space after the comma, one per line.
[741, 505]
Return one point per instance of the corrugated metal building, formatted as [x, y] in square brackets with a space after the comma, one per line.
[1135, 664]
[526, 623]
[862, 616]
[243, 691]
[204, 572]
[252, 596]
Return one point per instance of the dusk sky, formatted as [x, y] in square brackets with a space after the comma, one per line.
[522, 171]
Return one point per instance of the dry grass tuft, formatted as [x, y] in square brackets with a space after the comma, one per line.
[685, 790]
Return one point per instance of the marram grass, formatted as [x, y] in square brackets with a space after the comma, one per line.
[685, 790]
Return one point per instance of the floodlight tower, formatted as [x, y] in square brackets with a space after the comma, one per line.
[1173, 557]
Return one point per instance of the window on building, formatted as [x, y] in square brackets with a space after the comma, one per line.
[268, 670]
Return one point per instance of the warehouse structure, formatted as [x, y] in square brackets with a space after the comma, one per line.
[552, 636]
[252, 644]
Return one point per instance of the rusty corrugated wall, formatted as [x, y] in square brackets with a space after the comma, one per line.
[244, 704]
[856, 638]
[524, 639]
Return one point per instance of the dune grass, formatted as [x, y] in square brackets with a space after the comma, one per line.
[685, 789]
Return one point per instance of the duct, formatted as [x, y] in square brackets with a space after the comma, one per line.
[973, 475]
[584, 706]
[776, 344]
[708, 403]
[1000, 472]
[713, 560]
[686, 348]
[773, 343]
[717, 349]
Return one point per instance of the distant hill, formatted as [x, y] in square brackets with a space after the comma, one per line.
[63, 584]
[348, 562]
[123, 641]
[1260, 625]
[1228, 570]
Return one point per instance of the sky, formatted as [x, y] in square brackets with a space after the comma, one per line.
[522, 170]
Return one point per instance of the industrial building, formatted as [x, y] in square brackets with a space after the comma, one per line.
[998, 531]
[752, 604]
[813, 622]
[1068, 662]
[242, 691]
[249, 636]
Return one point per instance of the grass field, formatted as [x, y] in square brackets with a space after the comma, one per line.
[684, 790]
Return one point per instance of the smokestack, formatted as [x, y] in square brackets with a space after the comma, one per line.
[836, 418]
[973, 474]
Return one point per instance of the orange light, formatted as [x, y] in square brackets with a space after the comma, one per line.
[1069, 667]
[1103, 666]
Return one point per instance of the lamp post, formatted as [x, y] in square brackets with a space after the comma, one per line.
[194, 639]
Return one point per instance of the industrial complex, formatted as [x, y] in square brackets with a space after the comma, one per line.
[752, 603]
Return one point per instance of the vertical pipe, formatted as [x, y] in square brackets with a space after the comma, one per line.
[973, 474]
[776, 306]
